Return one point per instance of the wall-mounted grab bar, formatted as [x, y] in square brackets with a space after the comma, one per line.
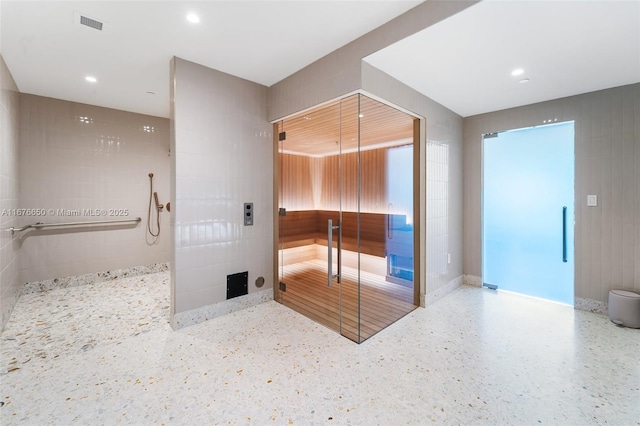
[51, 225]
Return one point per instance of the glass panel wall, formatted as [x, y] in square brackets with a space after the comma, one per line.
[351, 163]
[386, 209]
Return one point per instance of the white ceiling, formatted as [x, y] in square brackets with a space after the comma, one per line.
[262, 41]
[564, 47]
[464, 62]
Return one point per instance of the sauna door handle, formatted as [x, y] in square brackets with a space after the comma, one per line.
[330, 275]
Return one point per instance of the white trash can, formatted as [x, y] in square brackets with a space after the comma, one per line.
[624, 308]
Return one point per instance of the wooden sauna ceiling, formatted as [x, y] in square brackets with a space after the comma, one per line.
[318, 132]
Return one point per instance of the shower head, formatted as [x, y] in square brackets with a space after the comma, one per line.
[150, 175]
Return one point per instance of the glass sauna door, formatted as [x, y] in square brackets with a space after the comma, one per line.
[309, 215]
[346, 235]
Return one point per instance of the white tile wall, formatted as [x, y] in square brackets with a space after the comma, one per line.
[442, 177]
[75, 156]
[607, 151]
[437, 207]
[223, 158]
[9, 139]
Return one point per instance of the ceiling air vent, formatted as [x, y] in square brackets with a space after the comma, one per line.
[90, 23]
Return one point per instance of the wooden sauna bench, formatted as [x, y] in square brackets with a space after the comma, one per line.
[305, 227]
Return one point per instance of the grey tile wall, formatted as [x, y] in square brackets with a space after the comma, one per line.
[79, 157]
[222, 151]
[9, 141]
[607, 155]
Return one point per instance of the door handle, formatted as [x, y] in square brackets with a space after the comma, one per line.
[330, 275]
[564, 234]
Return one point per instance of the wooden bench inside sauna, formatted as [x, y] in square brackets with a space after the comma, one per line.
[383, 236]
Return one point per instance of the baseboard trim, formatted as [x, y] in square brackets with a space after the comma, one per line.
[472, 280]
[205, 313]
[92, 278]
[590, 305]
[10, 306]
[441, 292]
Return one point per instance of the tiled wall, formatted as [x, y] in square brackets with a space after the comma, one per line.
[9, 138]
[222, 154]
[607, 155]
[79, 157]
[441, 175]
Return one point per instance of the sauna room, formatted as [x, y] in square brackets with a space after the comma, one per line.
[345, 231]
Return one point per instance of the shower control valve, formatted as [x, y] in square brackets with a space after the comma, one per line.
[248, 214]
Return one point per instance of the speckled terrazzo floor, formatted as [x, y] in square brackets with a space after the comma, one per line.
[474, 357]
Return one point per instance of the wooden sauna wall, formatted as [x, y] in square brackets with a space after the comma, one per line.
[373, 194]
[311, 183]
[296, 189]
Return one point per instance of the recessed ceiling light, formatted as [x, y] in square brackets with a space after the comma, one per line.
[524, 81]
[193, 18]
[91, 79]
[518, 71]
